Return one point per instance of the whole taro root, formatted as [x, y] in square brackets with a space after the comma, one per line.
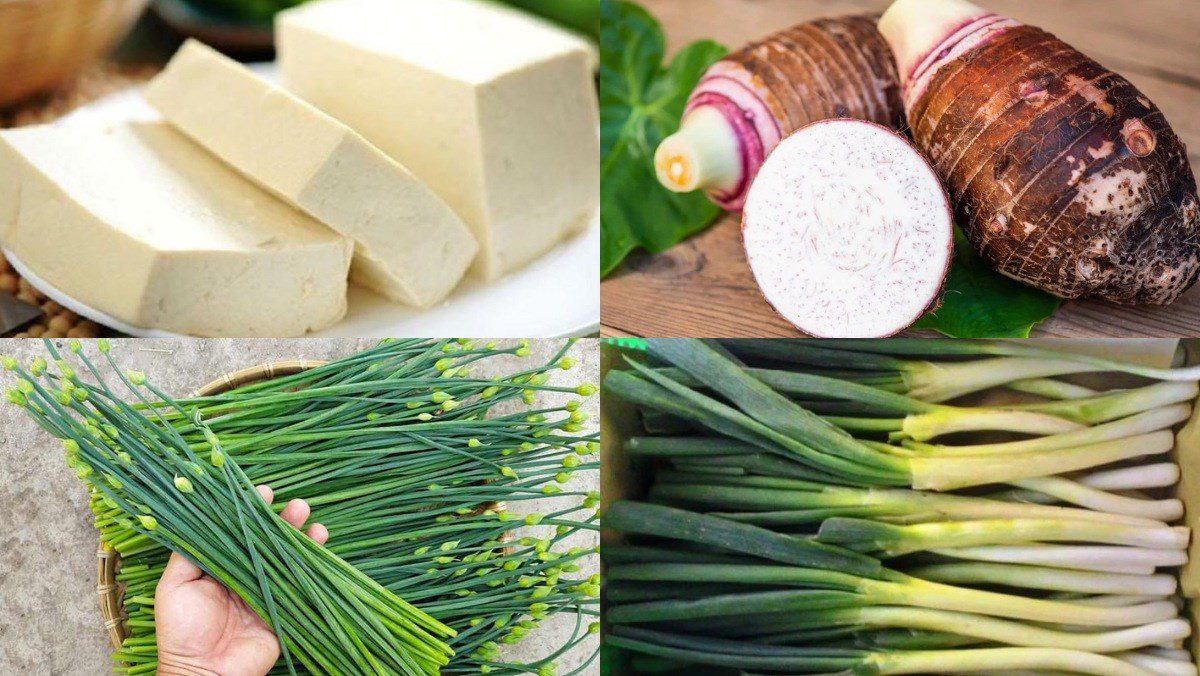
[1063, 174]
[752, 99]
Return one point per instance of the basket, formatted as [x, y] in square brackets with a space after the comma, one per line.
[45, 43]
[108, 561]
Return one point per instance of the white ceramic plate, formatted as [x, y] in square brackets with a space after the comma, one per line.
[556, 295]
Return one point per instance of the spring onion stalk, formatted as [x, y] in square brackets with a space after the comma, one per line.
[1050, 388]
[1136, 560]
[777, 465]
[1131, 478]
[402, 479]
[1076, 493]
[755, 657]
[786, 500]
[894, 540]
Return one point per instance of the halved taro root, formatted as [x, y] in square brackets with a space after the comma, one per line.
[848, 230]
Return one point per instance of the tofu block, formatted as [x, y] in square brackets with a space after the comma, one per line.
[494, 109]
[140, 223]
[409, 244]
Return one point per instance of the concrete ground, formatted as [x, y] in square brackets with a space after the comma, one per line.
[49, 616]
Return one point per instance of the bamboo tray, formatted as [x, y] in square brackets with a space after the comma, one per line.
[108, 561]
[45, 43]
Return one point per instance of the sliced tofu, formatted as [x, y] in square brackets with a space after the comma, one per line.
[409, 245]
[140, 223]
[494, 109]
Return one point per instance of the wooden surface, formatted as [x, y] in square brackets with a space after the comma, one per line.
[703, 287]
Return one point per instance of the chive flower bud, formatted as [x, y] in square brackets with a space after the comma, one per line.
[562, 477]
[593, 628]
[8, 363]
[148, 522]
[63, 397]
[551, 489]
[449, 405]
[586, 390]
[184, 484]
[103, 345]
[37, 367]
[195, 469]
[75, 346]
[439, 397]
[566, 363]
[527, 396]
[125, 458]
[533, 519]
[79, 394]
[570, 461]
[508, 472]
[15, 396]
[424, 417]
[136, 377]
[443, 364]
[573, 405]
[489, 391]
[216, 457]
[474, 443]
[71, 446]
[65, 369]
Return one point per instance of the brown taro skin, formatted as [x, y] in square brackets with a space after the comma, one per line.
[1062, 173]
[823, 69]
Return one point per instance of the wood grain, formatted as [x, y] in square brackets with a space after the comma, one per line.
[703, 287]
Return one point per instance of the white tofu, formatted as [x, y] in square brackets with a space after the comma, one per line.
[494, 109]
[140, 223]
[409, 244]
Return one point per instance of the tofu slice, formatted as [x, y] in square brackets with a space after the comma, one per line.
[494, 109]
[140, 223]
[409, 245]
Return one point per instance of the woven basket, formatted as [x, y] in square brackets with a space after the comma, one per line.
[45, 43]
[108, 561]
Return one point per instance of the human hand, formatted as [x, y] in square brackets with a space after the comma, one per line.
[203, 628]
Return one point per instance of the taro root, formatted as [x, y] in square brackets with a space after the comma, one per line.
[748, 101]
[1063, 175]
[848, 230]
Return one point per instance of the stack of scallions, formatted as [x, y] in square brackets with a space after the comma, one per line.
[892, 507]
[409, 460]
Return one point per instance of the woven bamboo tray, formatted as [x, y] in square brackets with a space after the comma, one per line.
[45, 43]
[108, 561]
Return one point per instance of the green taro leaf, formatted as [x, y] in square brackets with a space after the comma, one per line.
[979, 302]
[640, 105]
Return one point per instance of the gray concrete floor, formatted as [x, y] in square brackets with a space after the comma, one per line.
[49, 617]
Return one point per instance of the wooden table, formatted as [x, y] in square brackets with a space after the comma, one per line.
[703, 287]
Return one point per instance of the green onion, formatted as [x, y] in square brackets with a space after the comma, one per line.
[775, 467]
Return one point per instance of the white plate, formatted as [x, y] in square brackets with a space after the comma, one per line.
[556, 295]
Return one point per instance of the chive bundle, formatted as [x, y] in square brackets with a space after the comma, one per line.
[813, 510]
[400, 454]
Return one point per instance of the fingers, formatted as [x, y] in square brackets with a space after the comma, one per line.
[318, 533]
[296, 512]
[179, 571]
